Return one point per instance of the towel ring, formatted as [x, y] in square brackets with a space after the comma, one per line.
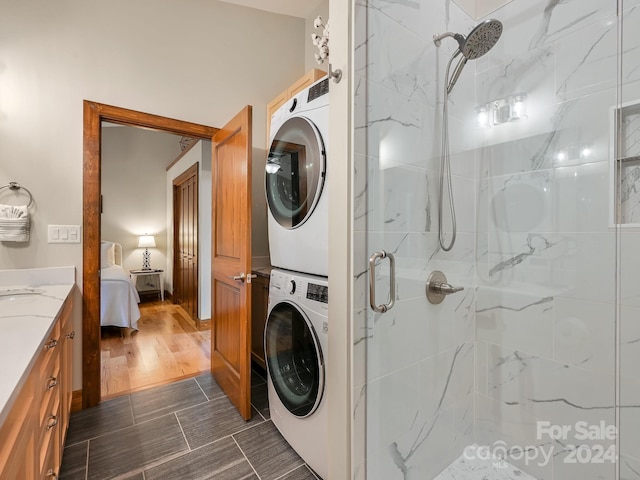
[17, 186]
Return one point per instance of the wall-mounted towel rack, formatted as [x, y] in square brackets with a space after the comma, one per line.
[17, 186]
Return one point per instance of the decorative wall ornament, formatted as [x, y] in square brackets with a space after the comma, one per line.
[322, 42]
[186, 142]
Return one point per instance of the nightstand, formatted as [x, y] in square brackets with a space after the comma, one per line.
[153, 272]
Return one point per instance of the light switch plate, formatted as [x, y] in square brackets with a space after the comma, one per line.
[64, 234]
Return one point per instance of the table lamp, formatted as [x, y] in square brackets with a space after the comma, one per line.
[146, 241]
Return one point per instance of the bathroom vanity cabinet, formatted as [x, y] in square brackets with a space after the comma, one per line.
[36, 416]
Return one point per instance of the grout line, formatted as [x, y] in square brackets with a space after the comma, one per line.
[182, 430]
[229, 435]
[257, 424]
[259, 412]
[133, 416]
[158, 462]
[133, 425]
[86, 463]
[292, 470]
[245, 457]
[212, 442]
[201, 389]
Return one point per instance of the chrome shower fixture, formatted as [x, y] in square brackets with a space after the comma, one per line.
[479, 41]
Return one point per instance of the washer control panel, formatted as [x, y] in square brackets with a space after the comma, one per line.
[284, 284]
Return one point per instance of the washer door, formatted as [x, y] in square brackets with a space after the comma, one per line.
[295, 172]
[294, 359]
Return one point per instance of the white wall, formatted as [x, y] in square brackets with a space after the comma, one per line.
[479, 8]
[193, 60]
[134, 200]
[310, 49]
[200, 154]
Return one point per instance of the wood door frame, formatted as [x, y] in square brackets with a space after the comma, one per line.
[193, 170]
[94, 114]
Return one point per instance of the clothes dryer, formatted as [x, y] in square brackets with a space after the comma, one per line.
[296, 338]
[296, 182]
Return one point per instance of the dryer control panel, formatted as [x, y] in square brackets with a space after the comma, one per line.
[319, 293]
[318, 89]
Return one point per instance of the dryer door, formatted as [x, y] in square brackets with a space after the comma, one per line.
[294, 359]
[295, 172]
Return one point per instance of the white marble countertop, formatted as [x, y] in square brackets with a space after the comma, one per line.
[25, 322]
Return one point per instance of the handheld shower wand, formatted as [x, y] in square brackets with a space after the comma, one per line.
[479, 41]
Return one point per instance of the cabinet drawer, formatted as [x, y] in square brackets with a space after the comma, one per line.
[50, 469]
[49, 386]
[50, 350]
[16, 432]
[48, 445]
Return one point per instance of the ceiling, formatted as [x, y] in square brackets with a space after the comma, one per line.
[295, 8]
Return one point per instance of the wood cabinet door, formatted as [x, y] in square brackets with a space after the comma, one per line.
[300, 84]
[305, 81]
[185, 197]
[259, 309]
[231, 260]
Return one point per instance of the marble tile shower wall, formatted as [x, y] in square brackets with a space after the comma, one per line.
[532, 337]
[414, 364]
[629, 347]
[546, 253]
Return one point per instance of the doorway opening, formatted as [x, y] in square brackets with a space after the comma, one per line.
[94, 114]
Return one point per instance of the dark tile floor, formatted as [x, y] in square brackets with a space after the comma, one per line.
[187, 430]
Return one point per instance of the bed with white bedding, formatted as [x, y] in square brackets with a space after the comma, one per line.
[118, 296]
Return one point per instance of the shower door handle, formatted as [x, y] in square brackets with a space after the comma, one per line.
[385, 307]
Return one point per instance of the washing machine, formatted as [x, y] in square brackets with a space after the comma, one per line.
[296, 182]
[296, 337]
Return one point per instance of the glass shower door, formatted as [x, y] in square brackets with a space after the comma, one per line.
[515, 376]
[416, 384]
[626, 160]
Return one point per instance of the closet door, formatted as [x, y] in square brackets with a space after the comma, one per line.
[185, 276]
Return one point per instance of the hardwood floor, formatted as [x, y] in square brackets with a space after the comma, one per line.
[166, 347]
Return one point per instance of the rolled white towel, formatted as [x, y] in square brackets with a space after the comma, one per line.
[14, 223]
[11, 211]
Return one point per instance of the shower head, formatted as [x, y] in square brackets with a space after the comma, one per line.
[479, 41]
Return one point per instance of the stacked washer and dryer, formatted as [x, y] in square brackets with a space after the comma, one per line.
[296, 331]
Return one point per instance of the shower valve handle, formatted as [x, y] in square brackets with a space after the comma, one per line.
[446, 289]
[438, 288]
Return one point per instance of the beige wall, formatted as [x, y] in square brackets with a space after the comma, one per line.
[310, 48]
[134, 197]
[200, 61]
